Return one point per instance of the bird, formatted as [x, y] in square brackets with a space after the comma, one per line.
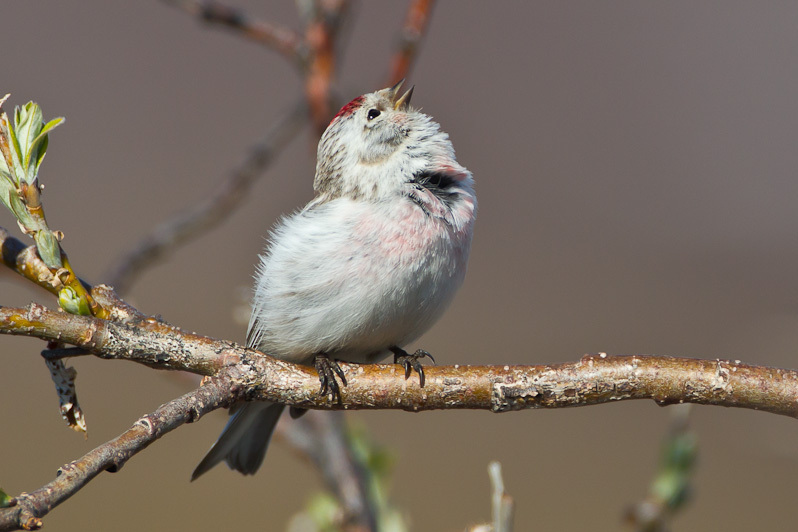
[366, 267]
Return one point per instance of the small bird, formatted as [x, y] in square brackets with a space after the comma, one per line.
[366, 267]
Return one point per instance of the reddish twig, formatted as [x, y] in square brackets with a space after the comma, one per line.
[284, 40]
[415, 26]
[323, 22]
[128, 334]
[324, 19]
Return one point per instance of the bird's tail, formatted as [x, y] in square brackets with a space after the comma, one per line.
[244, 440]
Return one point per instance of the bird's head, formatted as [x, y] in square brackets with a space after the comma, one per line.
[375, 144]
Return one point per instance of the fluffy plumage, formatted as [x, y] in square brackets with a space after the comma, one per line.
[370, 263]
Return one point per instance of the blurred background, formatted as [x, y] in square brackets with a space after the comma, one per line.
[635, 167]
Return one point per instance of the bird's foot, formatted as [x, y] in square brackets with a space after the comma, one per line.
[328, 369]
[411, 362]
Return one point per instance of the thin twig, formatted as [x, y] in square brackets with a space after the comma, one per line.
[322, 438]
[198, 218]
[25, 261]
[112, 455]
[501, 504]
[324, 21]
[61, 353]
[415, 26]
[316, 56]
[281, 39]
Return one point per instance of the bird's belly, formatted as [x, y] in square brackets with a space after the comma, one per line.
[389, 281]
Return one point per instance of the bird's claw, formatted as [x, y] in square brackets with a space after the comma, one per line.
[328, 369]
[411, 362]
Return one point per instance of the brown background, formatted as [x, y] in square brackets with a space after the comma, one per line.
[635, 165]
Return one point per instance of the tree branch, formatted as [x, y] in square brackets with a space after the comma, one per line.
[244, 374]
[25, 261]
[415, 26]
[239, 373]
[594, 379]
[323, 22]
[323, 439]
[29, 508]
[150, 342]
[284, 40]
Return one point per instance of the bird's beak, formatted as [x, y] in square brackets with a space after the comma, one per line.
[404, 102]
[399, 104]
[393, 91]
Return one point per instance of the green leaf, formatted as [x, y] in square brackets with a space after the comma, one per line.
[28, 129]
[27, 139]
[49, 250]
[6, 188]
[73, 303]
[19, 211]
[16, 155]
[5, 171]
[27, 126]
[27, 123]
[6, 500]
[39, 147]
[323, 508]
[51, 125]
[5, 140]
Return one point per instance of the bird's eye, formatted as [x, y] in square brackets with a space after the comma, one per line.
[373, 113]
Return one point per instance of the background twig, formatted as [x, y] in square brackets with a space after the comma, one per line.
[201, 217]
[415, 26]
[111, 456]
[324, 19]
[284, 40]
[323, 439]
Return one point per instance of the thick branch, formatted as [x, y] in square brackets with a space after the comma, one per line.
[149, 342]
[594, 379]
[241, 373]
